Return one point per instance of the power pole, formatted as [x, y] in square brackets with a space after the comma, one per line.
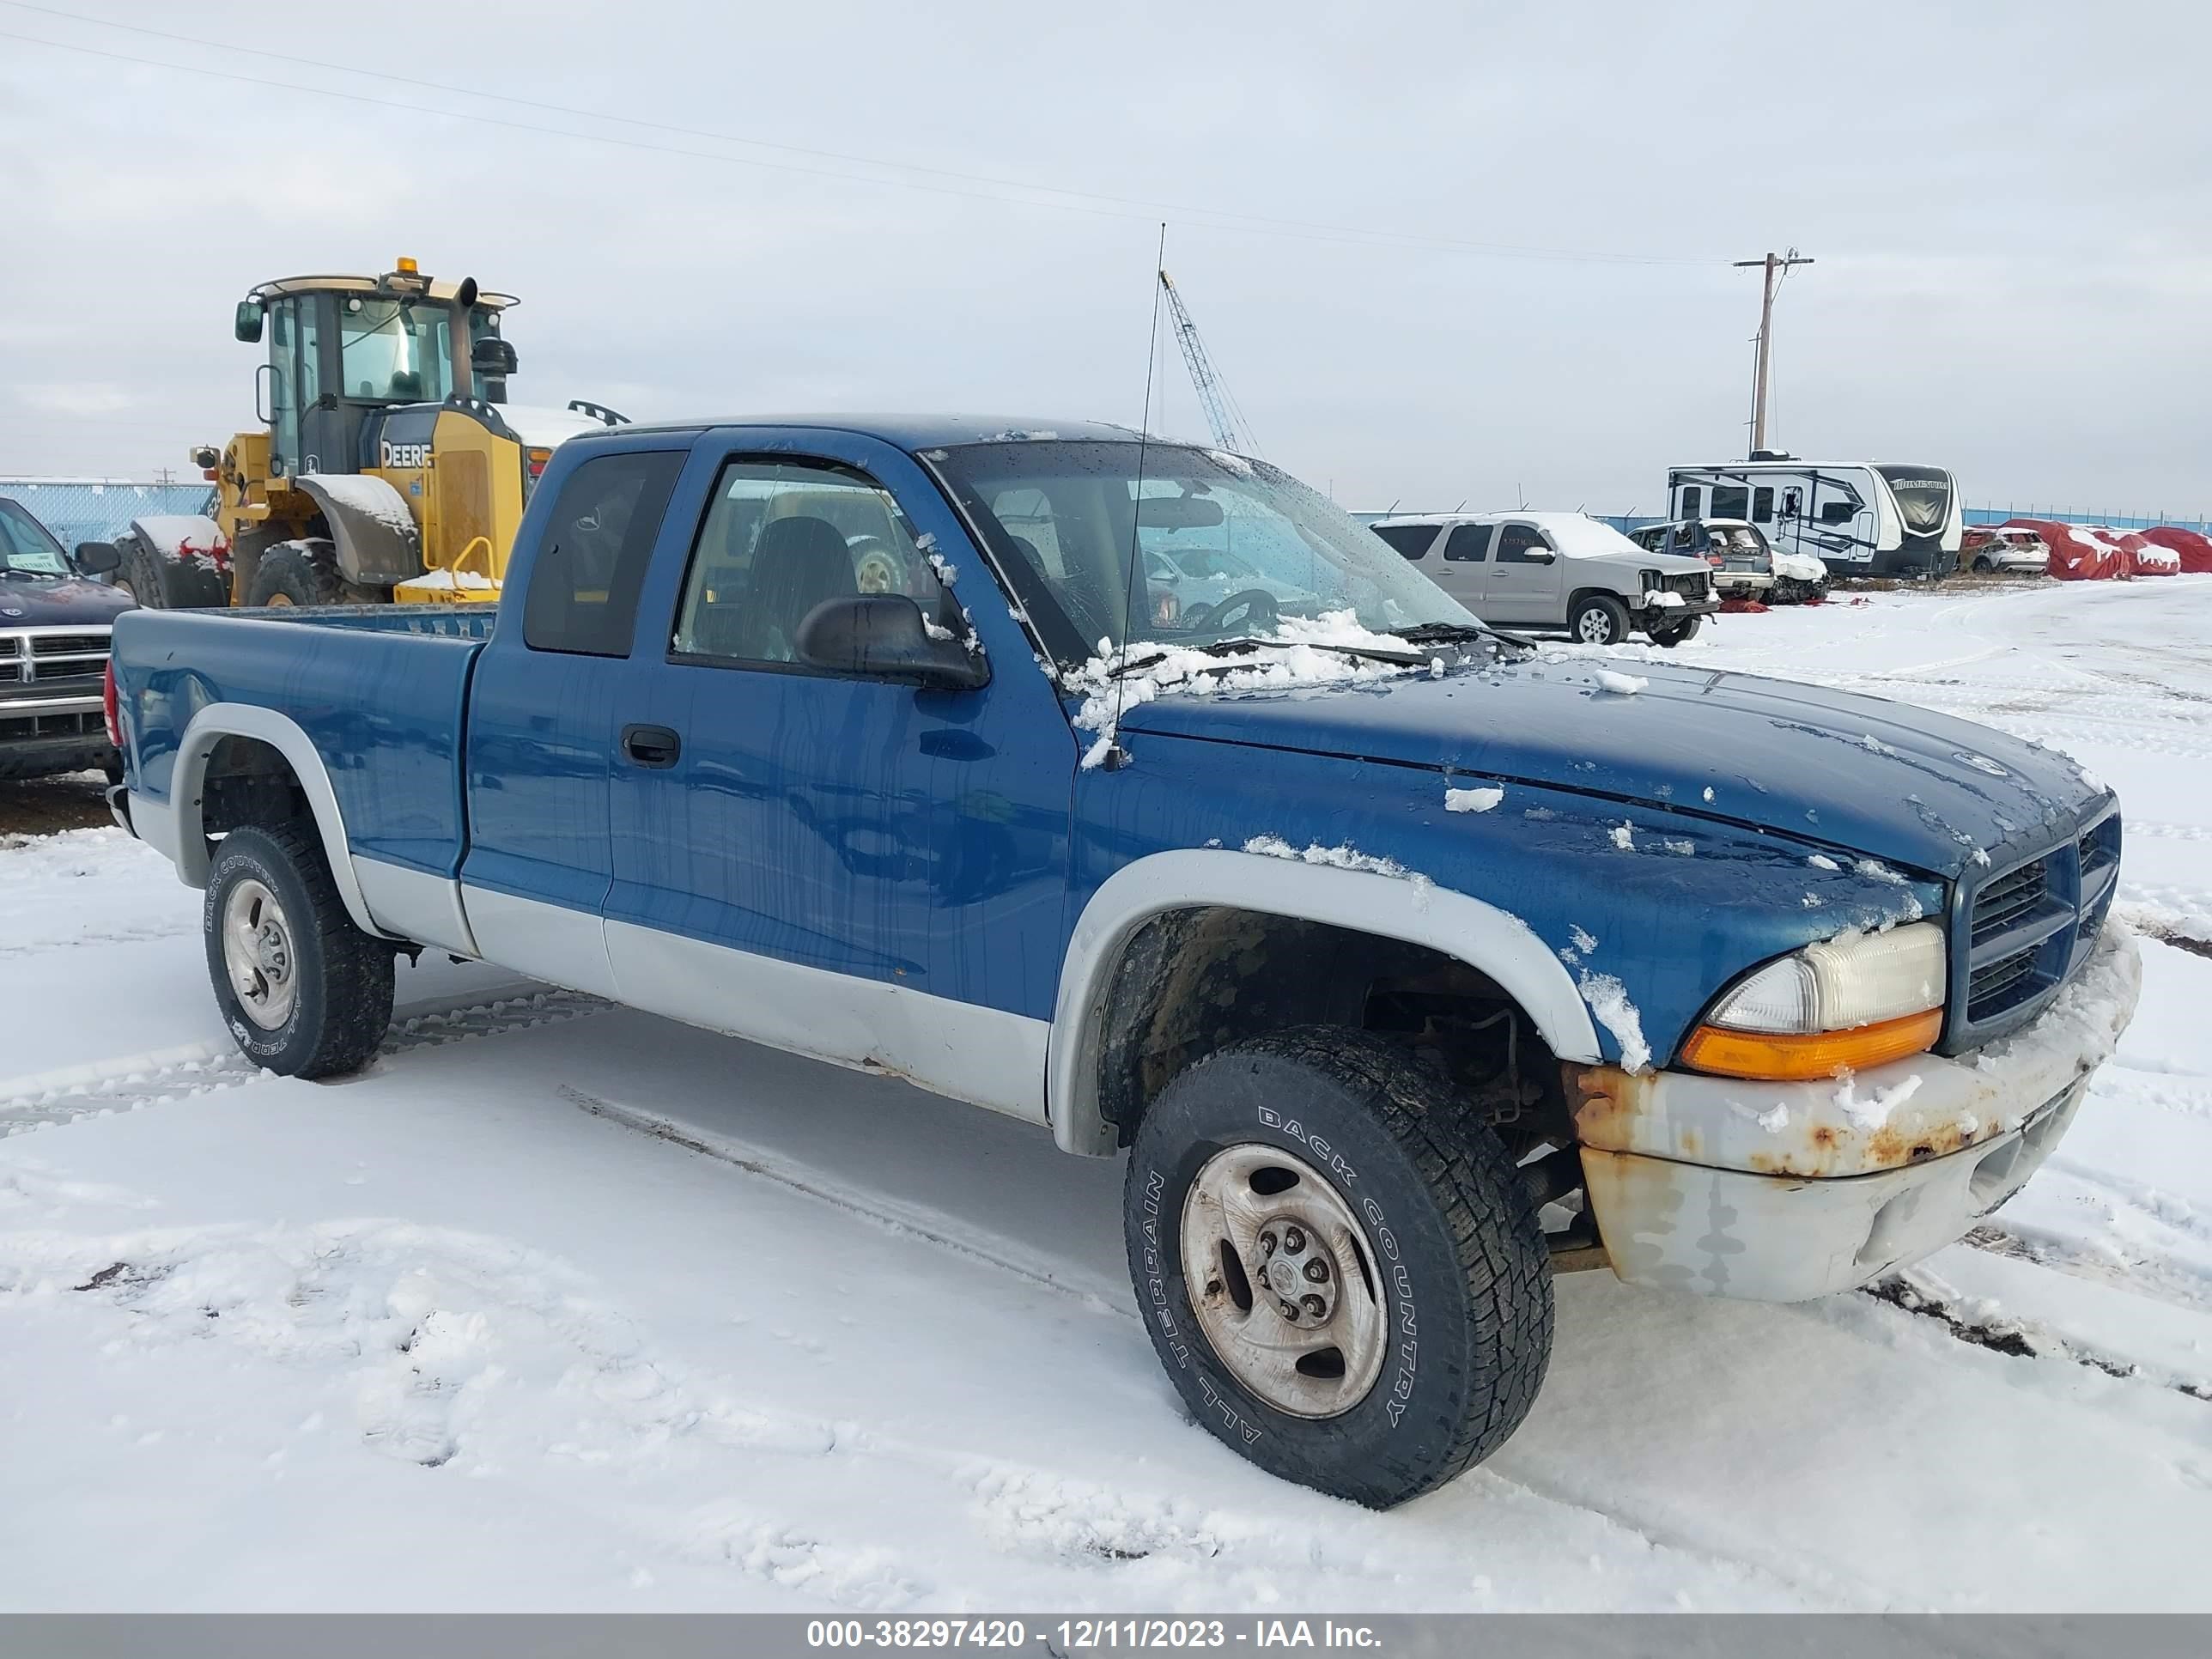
[1776, 266]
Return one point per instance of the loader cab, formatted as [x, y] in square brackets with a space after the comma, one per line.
[343, 348]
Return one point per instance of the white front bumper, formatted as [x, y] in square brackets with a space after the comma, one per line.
[1783, 1192]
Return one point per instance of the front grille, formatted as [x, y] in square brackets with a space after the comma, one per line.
[2009, 897]
[68, 645]
[2024, 931]
[35, 661]
[1995, 987]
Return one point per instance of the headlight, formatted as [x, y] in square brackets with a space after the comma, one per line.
[1845, 1004]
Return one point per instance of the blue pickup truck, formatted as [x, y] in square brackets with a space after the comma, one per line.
[1407, 964]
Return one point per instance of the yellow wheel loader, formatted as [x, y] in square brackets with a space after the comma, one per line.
[390, 467]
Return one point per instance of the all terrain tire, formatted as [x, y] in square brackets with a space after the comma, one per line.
[1297, 1197]
[305, 992]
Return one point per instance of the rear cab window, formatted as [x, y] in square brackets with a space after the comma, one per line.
[591, 558]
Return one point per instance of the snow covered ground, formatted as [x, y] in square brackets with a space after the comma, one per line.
[560, 1306]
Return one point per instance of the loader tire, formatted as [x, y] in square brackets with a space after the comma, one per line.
[1320, 1193]
[160, 584]
[305, 573]
[305, 993]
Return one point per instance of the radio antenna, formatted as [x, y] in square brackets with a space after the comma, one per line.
[1116, 756]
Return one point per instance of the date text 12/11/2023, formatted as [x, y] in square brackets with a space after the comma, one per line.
[1088, 1634]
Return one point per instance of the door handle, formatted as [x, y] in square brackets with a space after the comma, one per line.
[655, 746]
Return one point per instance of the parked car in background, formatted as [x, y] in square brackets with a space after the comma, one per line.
[1742, 563]
[1799, 579]
[54, 624]
[1989, 548]
[1557, 571]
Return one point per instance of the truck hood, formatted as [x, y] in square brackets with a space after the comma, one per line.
[1874, 778]
[37, 602]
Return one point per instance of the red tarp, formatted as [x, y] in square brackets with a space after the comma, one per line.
[2076, 556]
[2143, 558]
[2194, 547]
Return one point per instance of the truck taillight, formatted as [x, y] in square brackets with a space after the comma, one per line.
[110, 707]
[537, 460]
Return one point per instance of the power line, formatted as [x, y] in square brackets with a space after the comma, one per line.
[1068, 199]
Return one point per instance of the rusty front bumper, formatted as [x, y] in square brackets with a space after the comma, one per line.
[1784, 1192]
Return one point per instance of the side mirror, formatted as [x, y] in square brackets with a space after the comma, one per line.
[245, 323]
[99, 558]
[1541, 556]
[492, 356]
[883, 636]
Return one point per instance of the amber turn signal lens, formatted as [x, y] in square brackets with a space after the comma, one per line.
[1773, 1058]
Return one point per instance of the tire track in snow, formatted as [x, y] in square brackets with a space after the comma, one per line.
[163, 1077]
[2160, 1278]
[135, 934]
[932, 1227]
[2019, 1338]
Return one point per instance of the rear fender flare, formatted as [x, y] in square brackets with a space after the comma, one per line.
[1492, 941]
[373, 549]
[208, 727]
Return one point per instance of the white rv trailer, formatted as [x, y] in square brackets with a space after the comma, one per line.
[1862, 518]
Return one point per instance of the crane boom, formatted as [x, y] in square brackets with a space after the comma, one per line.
[1230, 431]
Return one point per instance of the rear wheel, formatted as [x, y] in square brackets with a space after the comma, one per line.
[307, 574]
[304, 991]
[1598, 619]
[1300, 1208]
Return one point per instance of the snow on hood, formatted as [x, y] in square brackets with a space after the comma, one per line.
[1918, 789]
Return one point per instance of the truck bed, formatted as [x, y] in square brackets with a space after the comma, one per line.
[381, 697]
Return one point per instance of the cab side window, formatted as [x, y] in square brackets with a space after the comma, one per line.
[591, 558]
[779, 538]
[1470, 543]
[1515, 542]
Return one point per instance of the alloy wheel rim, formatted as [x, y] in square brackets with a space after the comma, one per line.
[1278, 1273]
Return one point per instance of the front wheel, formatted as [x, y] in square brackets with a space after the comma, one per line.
[1345, 1281]
[305, 992]
[1671, 637]
[1598, 619]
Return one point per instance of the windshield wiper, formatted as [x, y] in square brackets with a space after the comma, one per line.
[1365, 653]
[1428, 632]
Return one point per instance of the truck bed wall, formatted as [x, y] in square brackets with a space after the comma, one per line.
[380, 696]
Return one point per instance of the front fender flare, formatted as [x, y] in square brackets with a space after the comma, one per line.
[1490, 941]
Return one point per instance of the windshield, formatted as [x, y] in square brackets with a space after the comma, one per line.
[1923, 495]
[25, 546]
[401, 350]
[1060, 516]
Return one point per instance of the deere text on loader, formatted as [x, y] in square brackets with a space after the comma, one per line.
[390, 467]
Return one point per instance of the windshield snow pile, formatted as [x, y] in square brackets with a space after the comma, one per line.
[1113, 682]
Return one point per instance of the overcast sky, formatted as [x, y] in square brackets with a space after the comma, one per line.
[2008, 202]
